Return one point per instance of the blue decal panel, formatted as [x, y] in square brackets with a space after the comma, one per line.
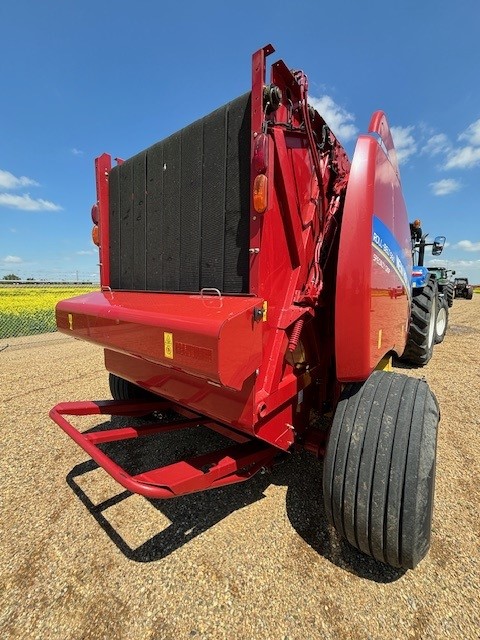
[390, 255]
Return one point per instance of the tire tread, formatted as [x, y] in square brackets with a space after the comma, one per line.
[379, 467]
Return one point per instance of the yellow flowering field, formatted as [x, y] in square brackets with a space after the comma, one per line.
[28, 310]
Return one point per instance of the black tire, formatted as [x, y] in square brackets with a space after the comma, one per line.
[441, 321]
[124, 390]
[379, 469]
[421, 334]
[469, 294]
[450, 293]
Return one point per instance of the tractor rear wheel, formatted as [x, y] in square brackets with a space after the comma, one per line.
[379, 469]
[441, 322]
[450, 293]
[421, 334]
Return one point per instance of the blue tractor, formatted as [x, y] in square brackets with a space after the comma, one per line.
[429, 315]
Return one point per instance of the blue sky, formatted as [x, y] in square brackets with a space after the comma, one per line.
[81, 78]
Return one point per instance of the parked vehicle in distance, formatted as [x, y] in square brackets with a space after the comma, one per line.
[463, 289]
[446, 285]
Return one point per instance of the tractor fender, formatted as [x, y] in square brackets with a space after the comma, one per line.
[420, 277]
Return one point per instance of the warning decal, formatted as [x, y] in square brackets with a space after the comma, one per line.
[168, 344]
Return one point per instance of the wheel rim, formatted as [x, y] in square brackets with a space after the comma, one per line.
[441, 321]
[431, 328]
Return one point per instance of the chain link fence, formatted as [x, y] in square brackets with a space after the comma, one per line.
[28, 308]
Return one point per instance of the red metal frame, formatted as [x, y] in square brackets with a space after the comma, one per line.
[103, 165]
[289, 235]
[209, 471]
[257, 118]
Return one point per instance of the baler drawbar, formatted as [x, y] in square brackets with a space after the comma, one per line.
[256, 282]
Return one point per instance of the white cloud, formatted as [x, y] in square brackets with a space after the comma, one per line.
[464, 265]
[439, 143]
[468, 245]
[26, 203]
[338, 119]
[464, 158]
[76, 152]
[467, 263]
[85, 253]
[9, 181]
[472, 134]
[404, 142]
[452, 264]
[446, 186]
[437, 262]
[12, 260]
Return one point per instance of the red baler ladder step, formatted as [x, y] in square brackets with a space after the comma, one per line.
[226, 466]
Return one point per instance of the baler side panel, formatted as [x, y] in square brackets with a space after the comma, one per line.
[352, 296]
[372, 296]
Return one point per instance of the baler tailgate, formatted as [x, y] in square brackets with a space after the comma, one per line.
[215, 469]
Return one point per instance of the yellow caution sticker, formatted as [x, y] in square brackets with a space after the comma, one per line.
[70, 321]
[264, 310]
[168, 344]
[379, 338]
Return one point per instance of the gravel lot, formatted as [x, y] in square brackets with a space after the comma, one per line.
[81, 558]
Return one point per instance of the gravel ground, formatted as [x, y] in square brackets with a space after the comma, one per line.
[83, 559]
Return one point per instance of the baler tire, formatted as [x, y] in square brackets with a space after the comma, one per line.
[379, 468]
[450, 293]
[441, 321]
[125, 390]
[421, 333]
